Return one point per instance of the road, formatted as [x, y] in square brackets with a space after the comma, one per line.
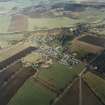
[80, 80]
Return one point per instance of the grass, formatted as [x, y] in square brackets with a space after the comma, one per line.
[97, 84]
[32, 93]
[60, 75]
[49, 23]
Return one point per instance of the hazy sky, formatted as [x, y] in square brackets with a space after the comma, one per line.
[91, 0]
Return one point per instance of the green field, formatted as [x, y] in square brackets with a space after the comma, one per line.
[32, 93]
[60, 75]
[4, 23]
[97, 84]
[49, 23]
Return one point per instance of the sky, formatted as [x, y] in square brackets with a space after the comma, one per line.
[90, 0]
[24, 3]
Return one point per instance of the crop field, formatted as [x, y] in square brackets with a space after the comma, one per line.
[18, 23]
[49, 23]
[97, 84]
[4, 23]
[32, 93]
[89, 39]
[71, 96]
[10, 37]
[59, 75]
[92, 15]
[12, 79]
[6, 53]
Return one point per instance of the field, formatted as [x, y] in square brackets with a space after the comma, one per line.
[12, 79]
[89, 39]
[72, 95]
[49, 23]
[18, 23]
[97, 84]
[6, 53]
[32, 93]
[8, 40]
[59, 75]
[4, 23]
[92, 15]
[38, 92]
[10, 37]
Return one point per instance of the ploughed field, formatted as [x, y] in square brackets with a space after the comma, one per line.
[13, 74]
[97, 41]
[18, 23]
[11, 80]
[11, 57]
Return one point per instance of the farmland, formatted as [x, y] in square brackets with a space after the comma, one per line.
[71, 96]
[12, 79]
[37, 64]
[49, 23]
[32, 93]
[4, 23]
[60, 75]
[18, 23]
[97, 84]
[57, 76]
[6, 53]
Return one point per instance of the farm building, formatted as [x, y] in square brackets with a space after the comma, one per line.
[89, 43]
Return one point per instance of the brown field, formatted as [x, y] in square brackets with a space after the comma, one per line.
[18, 23]
[71, 97]
[88, 47]
[89, 97]
[14, 75]
[11, 80]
